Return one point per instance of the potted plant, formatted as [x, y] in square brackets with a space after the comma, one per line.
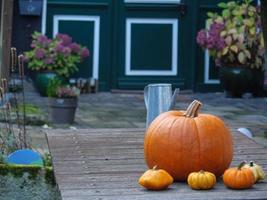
[53, 57]
[234, 39]
[63, 101]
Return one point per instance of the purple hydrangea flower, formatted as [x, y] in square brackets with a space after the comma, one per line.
[211, 42]
[59, 48]
[39, 53]
[42, 39]
[55, 53]
[220, 43]
[48, 61]
[48, 41]
[217, 27]
[33, 45]
[66, 51]
[25, 59]
[75, 47]
[85, 52]
[211, 39]
[202, 38]
[66, 40]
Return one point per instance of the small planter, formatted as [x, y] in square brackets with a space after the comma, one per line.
[62, 110]
[239, 80]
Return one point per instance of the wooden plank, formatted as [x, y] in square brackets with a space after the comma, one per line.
[175, 192]
[106, 164]
[166, 196]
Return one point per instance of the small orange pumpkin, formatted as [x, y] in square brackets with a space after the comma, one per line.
[155, 179]
[239, 177]
[201, 180]
[182, 142]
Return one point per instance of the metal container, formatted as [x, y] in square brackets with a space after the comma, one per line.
[158, 99]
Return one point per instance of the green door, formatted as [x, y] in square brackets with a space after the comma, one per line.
[70, 25]
[88, 23]
[151, 47]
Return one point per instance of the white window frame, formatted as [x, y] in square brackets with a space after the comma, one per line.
[89, 18]
[174, 67]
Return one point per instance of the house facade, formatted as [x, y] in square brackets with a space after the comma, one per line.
[132, 42]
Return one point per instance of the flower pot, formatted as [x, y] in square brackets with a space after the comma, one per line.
[42, 79]
[239, 80]
[62, 110]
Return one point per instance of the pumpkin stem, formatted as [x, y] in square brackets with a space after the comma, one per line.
[241, 165]
[193, 108]
[155, 167]
[202, 171]
[251, 163]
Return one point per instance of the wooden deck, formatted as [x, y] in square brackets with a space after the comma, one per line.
[106, 164]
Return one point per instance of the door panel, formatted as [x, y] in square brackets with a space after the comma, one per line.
[149, 45]
[86, 68]
[88, 22]
[148, 51]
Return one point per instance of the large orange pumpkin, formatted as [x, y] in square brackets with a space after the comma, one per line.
[182, 142]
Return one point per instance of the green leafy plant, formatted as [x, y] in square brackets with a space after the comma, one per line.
[234, 37]
[67, 92]
[59, 54]
[56, 88]
[30, 109]
[53, 84]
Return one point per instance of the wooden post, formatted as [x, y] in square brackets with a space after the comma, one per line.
[6, 32]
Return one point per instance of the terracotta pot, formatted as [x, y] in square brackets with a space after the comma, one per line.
[62, 110]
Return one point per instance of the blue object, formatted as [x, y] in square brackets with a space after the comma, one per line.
[25, 157]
